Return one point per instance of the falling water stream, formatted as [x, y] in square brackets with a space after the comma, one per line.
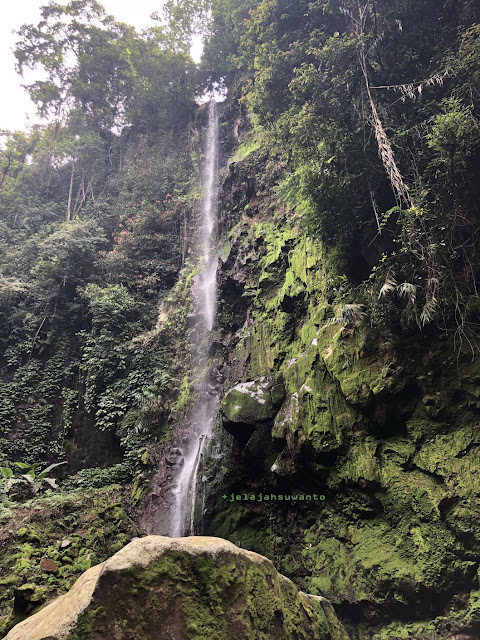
[204, 291]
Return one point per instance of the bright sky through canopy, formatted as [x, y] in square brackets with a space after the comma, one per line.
[15, 103]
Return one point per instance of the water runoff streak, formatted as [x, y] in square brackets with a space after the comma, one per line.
[204, 291]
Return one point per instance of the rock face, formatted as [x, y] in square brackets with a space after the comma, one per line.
[383, 423]
[197, 588]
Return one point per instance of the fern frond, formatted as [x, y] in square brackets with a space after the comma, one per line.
[348, 314]
[428, 312]
[407, 289]
[351, 313]
[388, 286]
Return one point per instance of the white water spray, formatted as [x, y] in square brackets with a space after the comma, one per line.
[204, 292]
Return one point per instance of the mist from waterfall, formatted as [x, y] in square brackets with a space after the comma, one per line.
[204, 292]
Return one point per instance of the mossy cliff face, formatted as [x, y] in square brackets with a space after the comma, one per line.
[183, 589]
[382, 426]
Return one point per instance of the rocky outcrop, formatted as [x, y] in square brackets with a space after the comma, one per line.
[194, 588]
[249, 405]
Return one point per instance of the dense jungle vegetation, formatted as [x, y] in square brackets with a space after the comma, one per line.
[374, 107]
[353, 125]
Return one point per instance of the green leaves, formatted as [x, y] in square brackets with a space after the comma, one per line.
[24, 466]
[30, 469]
[111, 306]
[95, 217]
[182, 20]
[374, 119]
[452, 135]
[451, 129]
[43, 475]
[30, 482]
[352, 314]
[420, 304]
[118, 75]
[388, 286]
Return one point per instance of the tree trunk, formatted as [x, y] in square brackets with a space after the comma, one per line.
[69, 204]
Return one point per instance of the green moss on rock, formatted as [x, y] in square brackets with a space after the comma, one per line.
[189, 588]
[253, 402]
[92, 525]
[386, 425]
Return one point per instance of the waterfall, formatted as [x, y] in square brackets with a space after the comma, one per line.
[204, 292]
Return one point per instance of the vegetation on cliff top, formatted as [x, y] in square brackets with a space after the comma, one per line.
[375, 107]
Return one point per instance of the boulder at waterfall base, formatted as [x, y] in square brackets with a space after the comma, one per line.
[197, 588]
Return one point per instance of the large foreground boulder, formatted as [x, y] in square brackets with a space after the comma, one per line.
[196, 588]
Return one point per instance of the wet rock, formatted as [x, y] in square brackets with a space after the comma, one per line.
[250, 405]
[175, 457]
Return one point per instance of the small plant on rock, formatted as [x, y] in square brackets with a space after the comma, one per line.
[30, 482]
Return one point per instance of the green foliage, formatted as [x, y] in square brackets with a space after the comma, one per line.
[357, 126]
[95, 219]
[115, 78]
[110, 306]
[91, 525]
[28, 483]
[452, 136]
[349, 314]
[96, 477]
[226, 28]
[180, 21]
[122, 379]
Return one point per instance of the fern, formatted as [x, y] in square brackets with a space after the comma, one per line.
[428, 312]
[389, 285]
[349, 314]
[407, 290]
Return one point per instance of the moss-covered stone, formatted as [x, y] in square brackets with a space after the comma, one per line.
[92, 525]
[384, 424]
[253, 402]
[184, 589]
